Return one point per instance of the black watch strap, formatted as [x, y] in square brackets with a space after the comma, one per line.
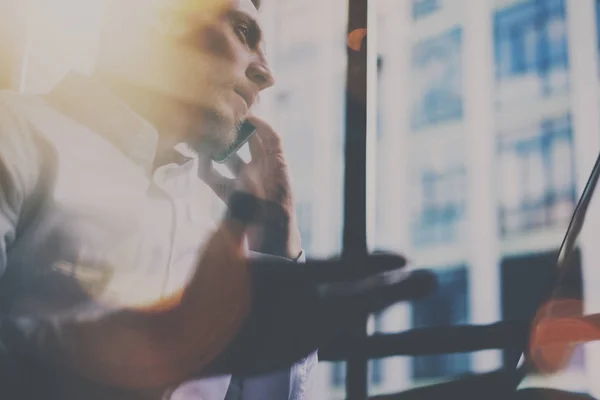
[245, 207]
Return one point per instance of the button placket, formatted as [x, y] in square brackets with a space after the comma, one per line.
[174, 182]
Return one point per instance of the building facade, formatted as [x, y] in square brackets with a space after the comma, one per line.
[486, 114]
[493, 158]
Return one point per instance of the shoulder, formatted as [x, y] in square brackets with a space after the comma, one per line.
[15, 112]
[13, 101]
[20, 156]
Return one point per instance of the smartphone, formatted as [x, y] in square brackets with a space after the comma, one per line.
[244, 133]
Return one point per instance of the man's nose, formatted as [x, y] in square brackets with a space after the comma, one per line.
[260, 74]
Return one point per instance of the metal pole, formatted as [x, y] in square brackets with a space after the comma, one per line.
[355, 189]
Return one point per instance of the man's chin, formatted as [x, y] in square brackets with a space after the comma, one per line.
[216, 141]
[216, 131]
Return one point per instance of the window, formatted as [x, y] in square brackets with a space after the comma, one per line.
[537, 177]
[448, 306]
[338, 374]
[376, 372]
[422, 8]
[535, 182]
[304, 215]
[316, 193]
[376, 366]
[295, 43]
[437, 80]
[442, 207]
[531, 38]
[286, 117]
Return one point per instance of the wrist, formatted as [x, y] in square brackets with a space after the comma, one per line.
[244, 208]
[280, 238]
[294, 250]
[270, 228]
[276, 242]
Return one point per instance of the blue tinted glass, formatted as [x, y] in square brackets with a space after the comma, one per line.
[543, 167]
[436, 65]
[448, 306]
[422, 8]
[530, 37]
[443, 207]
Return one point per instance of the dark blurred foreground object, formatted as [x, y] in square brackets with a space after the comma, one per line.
[298, 309]
[497, 385]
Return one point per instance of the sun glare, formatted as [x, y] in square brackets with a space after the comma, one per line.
[60, 35]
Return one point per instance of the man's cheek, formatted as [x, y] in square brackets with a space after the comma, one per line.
[217, 42]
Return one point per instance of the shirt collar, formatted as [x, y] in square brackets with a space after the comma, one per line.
[88, 102]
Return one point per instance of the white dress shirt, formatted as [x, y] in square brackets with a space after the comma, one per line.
[78, 196]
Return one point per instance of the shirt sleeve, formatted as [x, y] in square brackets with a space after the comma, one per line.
[263, 256]
[304, 379]
[302, 258]
[18, 177]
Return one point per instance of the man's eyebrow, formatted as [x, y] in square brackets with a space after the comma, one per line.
[251, 21]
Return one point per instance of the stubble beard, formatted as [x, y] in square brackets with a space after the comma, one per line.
[219, 132]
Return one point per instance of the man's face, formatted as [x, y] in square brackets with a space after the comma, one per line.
[208, 57]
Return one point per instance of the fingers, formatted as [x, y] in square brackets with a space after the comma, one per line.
[271, 141]
[235, 164]
[257, 151]
[222, 186]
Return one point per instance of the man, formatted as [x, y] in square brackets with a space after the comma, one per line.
[116, 282]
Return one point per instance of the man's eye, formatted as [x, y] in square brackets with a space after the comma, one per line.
[242, 30]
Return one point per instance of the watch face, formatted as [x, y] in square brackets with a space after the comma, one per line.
[244, 134]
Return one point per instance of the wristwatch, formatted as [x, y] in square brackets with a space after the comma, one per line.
[245, 207]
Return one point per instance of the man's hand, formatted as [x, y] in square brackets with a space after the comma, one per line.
[267, 178]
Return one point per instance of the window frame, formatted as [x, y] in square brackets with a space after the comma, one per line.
[510, 27]
[425, 110]
[439, 223]
[551, 132]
